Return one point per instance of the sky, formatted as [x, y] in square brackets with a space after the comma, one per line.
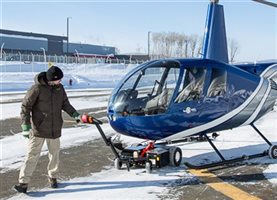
[111, 183]
[125, 24]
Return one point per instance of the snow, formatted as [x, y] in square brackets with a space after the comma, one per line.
[12, 158]
[82, 75]
[111, 183]
[270, 173]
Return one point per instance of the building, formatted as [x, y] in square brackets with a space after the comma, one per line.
[36, 43]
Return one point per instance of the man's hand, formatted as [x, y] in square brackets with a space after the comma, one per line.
[26, 130]
[77, 117]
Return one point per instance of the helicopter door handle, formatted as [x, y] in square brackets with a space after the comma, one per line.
[189, 110]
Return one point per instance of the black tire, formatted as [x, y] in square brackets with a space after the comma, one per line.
[272, 152]
[175, 156]
[117, 163]
[215, 135]
[148, 167]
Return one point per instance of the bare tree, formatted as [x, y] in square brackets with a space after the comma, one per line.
[180, 44]
[200, 46]
[172, 44]
[193, 42]
[233, 49]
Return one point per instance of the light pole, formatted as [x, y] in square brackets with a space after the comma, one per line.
[4, 53]
[149, 32]
[20, 57]
[44, 55]
[32, 62]
[2, 46]
[67, 20]
[77, 56]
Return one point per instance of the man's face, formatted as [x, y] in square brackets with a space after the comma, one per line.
[57, 82]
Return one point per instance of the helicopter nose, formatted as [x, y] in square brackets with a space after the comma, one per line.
[111, 117]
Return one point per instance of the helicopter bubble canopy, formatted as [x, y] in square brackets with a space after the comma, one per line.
[148, 90]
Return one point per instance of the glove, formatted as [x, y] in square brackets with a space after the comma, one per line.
[77, 117]
[26, 130]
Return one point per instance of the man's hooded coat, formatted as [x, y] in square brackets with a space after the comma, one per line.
[42, 108]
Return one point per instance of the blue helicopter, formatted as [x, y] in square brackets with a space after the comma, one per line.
[174, 99]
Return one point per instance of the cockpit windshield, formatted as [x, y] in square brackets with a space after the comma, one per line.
[148, 91]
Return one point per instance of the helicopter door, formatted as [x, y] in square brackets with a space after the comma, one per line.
[215, 103]
[187, 102]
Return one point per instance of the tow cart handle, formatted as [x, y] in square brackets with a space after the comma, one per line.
[90, 119]
[102, 134]
[97, 121]
[107, 141]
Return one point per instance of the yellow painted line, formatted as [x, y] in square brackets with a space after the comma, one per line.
[219, 185]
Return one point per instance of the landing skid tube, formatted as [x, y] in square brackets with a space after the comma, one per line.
[272, 152]
[199, 138]
[225, 162]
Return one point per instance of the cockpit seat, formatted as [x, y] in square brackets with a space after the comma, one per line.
[217, 87]
[158, 102]
[192, 91]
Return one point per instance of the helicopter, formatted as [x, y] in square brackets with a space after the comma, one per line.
[171, 100]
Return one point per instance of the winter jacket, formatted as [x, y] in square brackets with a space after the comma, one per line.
[43, 105]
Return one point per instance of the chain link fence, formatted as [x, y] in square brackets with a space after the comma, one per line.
[29, 58]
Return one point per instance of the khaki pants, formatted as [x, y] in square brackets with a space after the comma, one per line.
[33, 153]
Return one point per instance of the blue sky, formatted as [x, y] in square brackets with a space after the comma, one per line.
[125, 24]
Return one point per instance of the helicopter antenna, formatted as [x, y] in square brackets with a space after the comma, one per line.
[215, 1]
[266, 3]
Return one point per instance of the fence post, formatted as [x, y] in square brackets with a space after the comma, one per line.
[19, 60]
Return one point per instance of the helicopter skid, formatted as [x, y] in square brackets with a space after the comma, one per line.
[271, 152]
[225, 162]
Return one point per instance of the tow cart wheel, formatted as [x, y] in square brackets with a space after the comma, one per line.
[117, 163]
[175, 156]
[272, 152]
[148, 167]
[215, 135]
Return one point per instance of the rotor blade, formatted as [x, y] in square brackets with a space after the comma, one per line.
[266, 3]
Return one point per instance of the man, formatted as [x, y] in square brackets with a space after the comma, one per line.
[41, 114]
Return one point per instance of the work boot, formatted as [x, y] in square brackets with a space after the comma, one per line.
[53, 182]
[21, 187]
